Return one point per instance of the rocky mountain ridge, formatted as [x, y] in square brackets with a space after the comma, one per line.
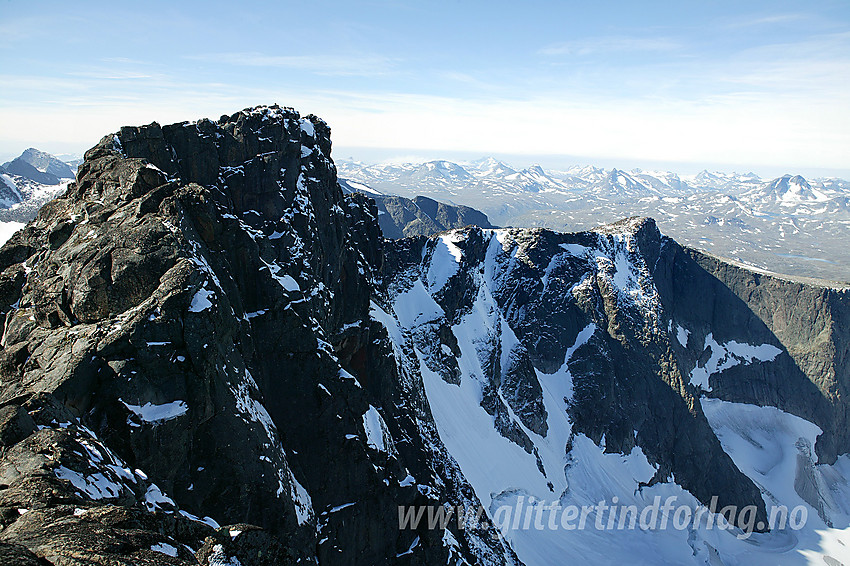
[205, 330]
[635, 340]
[234, 239]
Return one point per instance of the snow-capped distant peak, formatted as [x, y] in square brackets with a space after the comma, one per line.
[794, 183]
[490, 166]
[447, 165]
[623, 180]
[584, 170]
[444, 169]
[40, 167]
[791, 190]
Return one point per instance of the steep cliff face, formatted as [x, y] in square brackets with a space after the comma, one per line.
[583, 312]
[536, 347]
[199, 302]
[809, 321]
[204, 330]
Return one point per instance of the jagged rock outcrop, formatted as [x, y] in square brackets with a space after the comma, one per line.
[199, 300]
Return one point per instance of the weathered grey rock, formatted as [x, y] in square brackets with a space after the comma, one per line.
[17, 555]
[15, 425]
[246, 543]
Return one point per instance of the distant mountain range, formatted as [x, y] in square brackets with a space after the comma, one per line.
[26, 183]
[788, 225]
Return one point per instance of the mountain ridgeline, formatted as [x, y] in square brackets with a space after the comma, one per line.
[204, 330]
[401, 217]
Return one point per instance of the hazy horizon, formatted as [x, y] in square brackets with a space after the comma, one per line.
[375, 156]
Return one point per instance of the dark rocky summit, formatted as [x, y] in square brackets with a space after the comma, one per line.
[203, 330]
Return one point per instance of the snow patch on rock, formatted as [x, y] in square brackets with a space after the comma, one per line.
[727, 355]
[158, 414]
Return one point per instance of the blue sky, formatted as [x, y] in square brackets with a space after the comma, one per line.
[761, 86]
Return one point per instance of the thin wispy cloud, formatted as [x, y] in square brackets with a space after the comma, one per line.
[336, 65]
[20, 29]
[609, 45]
[125, 61]
[473, 83]
[774, 19]
[111, 75]
[811, 67]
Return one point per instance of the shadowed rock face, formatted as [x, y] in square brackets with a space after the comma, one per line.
[810, 323]
[400, 217]
[204, 326]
